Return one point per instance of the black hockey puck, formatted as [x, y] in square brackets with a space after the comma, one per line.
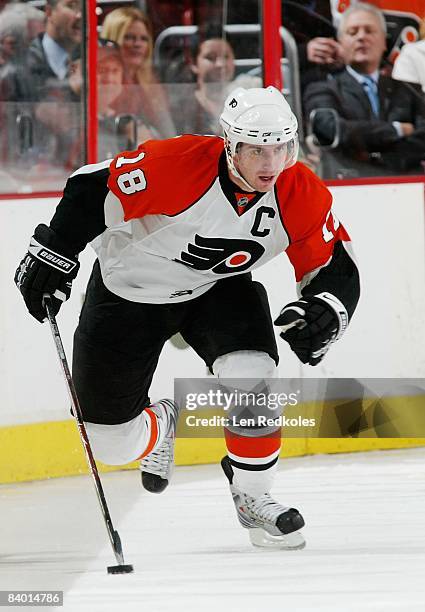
[120, 569]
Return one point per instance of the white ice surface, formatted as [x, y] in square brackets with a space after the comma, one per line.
[365, 531]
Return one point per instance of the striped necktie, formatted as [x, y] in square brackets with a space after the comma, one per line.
[371, 89]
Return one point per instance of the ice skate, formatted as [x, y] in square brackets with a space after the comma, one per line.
[270, 524]
[157, 467]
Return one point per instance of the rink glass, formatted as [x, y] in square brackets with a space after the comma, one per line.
[43, 135]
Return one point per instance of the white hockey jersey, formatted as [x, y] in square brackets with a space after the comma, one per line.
[176, 223]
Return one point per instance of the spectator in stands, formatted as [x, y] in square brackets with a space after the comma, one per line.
[205, 83]
[110, 78]
[410, 64]
[17, 24]
[376, 125]
[213, 67]
[311, 24]
[319, 54]
[49, 54]
[56, 108]
[13, 85]
[118, 130]
[145, 96]
[4, 4]
[35, 18]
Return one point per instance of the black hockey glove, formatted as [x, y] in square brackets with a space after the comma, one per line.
[311, 325]
[48, 267]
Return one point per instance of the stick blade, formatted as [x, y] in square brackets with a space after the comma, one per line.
[120, 569]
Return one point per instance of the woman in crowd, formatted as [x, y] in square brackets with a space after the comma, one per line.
[145, 97]
[213, 68]
[117, 129]
[203, 85]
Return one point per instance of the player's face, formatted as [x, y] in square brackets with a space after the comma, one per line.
[65, 20]
[261, 165]
[363, 42]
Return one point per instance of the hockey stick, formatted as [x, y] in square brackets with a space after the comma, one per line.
[114, 537]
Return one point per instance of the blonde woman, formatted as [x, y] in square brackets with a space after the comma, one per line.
[410, 64]
[131, 30]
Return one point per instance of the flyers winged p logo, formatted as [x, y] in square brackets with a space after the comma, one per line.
[221, 255]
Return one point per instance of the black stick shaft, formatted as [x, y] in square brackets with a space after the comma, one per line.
[76, 410]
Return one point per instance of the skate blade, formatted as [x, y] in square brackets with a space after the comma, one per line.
[290, 541]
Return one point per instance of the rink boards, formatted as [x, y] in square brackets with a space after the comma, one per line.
[48, 450]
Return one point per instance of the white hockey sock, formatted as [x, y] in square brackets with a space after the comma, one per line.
[253, 482]
[127, 442]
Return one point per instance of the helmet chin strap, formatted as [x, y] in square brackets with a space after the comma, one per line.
[232, 168]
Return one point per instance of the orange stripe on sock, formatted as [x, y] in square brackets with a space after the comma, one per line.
[154, 434]
[252, 447]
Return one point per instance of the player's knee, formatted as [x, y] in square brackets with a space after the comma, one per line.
[245, 364]
[116, 444]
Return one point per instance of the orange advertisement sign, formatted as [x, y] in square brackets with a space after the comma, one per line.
[415, 7]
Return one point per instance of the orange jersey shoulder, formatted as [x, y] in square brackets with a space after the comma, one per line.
[305, 208]
[303, 200]
[165, 176]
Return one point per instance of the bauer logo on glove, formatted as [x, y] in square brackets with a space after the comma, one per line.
[49, 267]
[311, 325]
[50, 257]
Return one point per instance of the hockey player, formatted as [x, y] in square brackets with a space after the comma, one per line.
[177, 226]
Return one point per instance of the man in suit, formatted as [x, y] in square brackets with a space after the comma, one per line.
[56, 107]
[50, 52]
[311, 24]
[371, 124]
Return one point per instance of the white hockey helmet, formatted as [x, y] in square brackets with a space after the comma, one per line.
[259, 116]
